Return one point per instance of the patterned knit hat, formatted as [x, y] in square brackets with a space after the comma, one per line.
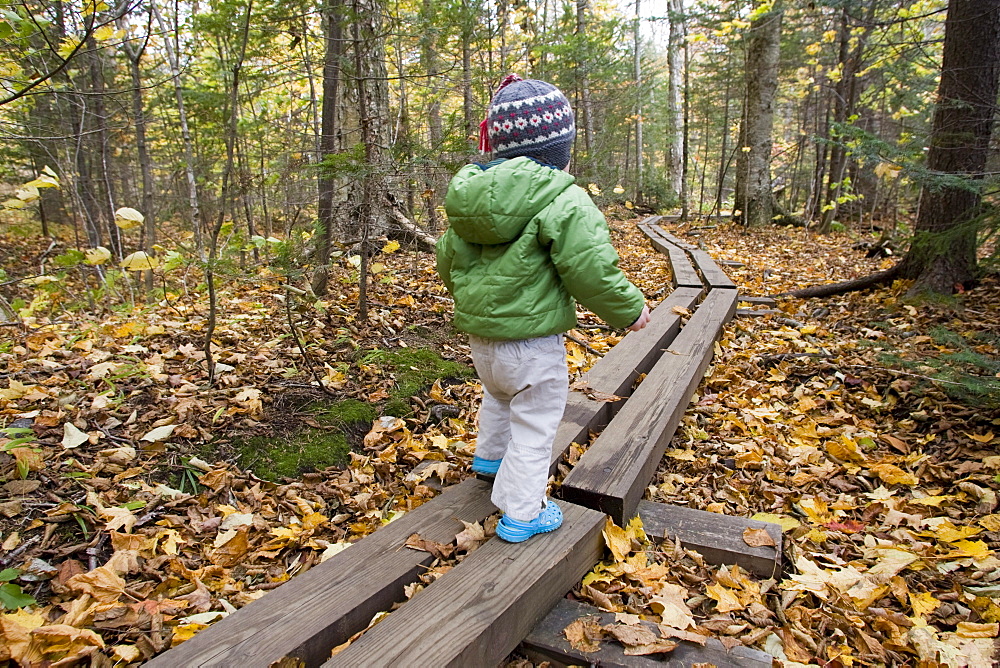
[528, 117]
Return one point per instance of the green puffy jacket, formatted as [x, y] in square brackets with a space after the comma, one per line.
[523, 243]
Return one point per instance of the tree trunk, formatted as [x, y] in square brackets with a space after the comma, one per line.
[674, 83]
[845, 101]
[637, 63]
[943, 252]
[753, 173]
[332, 70]
[225, 193]
[373, 104]
[197, 224]
[134, 53]
[586, 107]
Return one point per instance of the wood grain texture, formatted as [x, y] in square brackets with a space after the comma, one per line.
[321, 608]
[713, 274]
[683, 272]
[477, 613]
[616, 372]
[717, 538]
[547, 642]
[612, 475]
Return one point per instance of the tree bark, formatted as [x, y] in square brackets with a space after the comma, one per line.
[586, 106]
[134, 53]
[173, 60]
[753, 166]
[674, 83]
[943, 252]
[332, 70]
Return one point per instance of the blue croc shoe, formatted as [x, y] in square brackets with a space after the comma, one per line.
[516, 531]
[485, 466]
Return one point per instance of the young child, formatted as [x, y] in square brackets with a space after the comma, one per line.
[524, 244]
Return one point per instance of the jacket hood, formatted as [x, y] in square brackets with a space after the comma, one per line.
[492, 204]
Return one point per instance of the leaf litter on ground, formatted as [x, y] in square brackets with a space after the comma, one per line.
[849, 421]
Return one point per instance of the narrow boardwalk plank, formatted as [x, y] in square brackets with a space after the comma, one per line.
[639, 351]
[755, 312]
[683, 272]
[714, 276]
[547, 642]
[677, 242]
[477, 613]
[613, 473]
[321, 608]
[615, 373]
[766, 301]
[717, 538]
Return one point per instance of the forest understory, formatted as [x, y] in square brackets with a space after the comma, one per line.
[139, 504]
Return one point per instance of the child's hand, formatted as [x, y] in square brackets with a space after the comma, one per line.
[641, 321]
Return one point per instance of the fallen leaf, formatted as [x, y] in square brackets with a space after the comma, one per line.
[439, 550]
[73, 437]
[757, 537]
[584, 634]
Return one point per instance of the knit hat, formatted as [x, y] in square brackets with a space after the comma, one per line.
[528, 117]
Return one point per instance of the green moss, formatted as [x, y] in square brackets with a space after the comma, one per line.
[346, 412]
[310, 450]
[413, 369]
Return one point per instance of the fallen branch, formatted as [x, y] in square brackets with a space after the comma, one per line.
[830, 289]
[584, 344]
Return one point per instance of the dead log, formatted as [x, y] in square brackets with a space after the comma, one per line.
[862, 283]
[406, 230]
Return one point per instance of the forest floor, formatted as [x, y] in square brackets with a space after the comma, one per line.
[139, 504]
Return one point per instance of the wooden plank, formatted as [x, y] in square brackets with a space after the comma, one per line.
[547, 642]
[321, 608]
[616, 372]
[755, 312]
[684, 273]
[713, 274]
[718, 538]
[677, 242]
[612, 475]
[477, 613]
[750, 299]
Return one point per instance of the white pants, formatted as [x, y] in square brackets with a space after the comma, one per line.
[525, 385]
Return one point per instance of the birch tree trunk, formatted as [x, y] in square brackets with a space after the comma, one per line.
[173, 60]
[674, 84]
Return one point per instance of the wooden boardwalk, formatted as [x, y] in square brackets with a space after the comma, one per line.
[504, 596]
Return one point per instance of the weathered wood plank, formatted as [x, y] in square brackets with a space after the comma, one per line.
[477, 613]
[677, 242]
[547, 642]
[616, 372]
[717, 538]
[712, 273]
[638, 351]
[321, 608]
[684, 275]
[755, 312]
[766, 301]
[612, 475]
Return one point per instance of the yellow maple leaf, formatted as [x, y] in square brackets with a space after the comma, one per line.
[976, 549]
[725, 597]
[893, 475]
[617, 540]
[923, 603]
